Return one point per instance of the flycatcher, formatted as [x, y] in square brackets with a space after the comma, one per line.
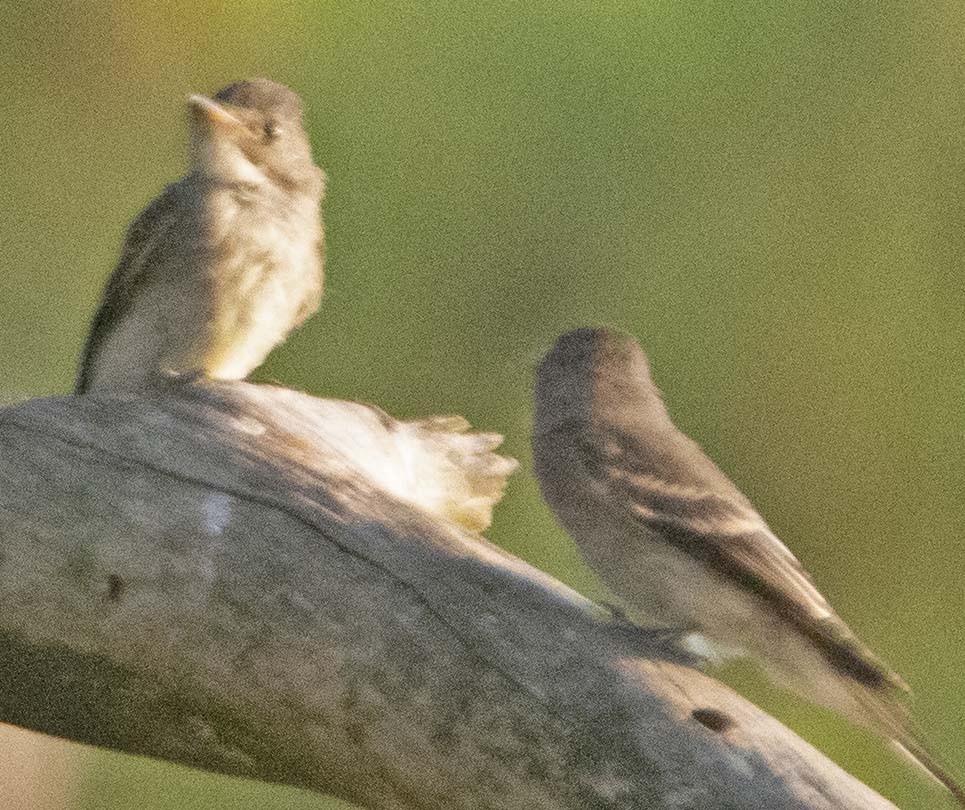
[673, 536]
[220, 267]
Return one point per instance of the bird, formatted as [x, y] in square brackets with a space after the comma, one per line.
[668, 532]
[224, 262]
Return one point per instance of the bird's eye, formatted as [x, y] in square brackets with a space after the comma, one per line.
[272, 130]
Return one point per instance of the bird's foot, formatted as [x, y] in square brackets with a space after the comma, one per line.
[664, 634]
[183, 378]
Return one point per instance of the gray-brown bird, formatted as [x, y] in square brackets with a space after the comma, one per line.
[220, 267]
[670, 533]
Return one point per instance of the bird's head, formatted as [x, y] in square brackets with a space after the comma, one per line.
[252, 133]
[595, 374]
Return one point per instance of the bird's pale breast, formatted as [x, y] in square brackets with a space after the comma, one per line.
[267, 278]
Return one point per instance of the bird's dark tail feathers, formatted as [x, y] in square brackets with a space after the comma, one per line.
[913, 750]
[890, 716]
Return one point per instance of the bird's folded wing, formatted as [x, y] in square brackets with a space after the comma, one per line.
[149, 231]
[720, 528]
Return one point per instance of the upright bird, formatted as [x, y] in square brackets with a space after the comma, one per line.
[670, 533]
[224, 263]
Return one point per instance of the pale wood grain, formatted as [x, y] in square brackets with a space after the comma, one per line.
[219, 576]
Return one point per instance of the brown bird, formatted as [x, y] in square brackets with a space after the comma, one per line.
[670, 533]
[218, 269]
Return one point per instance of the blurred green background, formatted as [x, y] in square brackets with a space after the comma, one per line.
[770, 195]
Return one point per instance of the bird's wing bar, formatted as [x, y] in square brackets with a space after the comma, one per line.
[721, 531]
[732, 538]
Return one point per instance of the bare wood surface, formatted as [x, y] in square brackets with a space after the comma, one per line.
[236, 577]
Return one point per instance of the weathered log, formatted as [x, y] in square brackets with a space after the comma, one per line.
[256, 582]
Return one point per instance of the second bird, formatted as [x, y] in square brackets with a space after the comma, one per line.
[220, 267]
[671, 534]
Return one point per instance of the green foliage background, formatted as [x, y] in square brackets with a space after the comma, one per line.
[768, 194]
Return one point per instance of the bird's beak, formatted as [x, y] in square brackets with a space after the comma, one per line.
[209, 113]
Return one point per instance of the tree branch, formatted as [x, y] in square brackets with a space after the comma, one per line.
[239, 578]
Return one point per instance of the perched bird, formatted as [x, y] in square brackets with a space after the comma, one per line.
[220, 267]
[669, 533]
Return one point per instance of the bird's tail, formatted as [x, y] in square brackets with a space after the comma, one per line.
[912, 749]
[889, 715]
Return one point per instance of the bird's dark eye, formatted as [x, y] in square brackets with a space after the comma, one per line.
[272, 130]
